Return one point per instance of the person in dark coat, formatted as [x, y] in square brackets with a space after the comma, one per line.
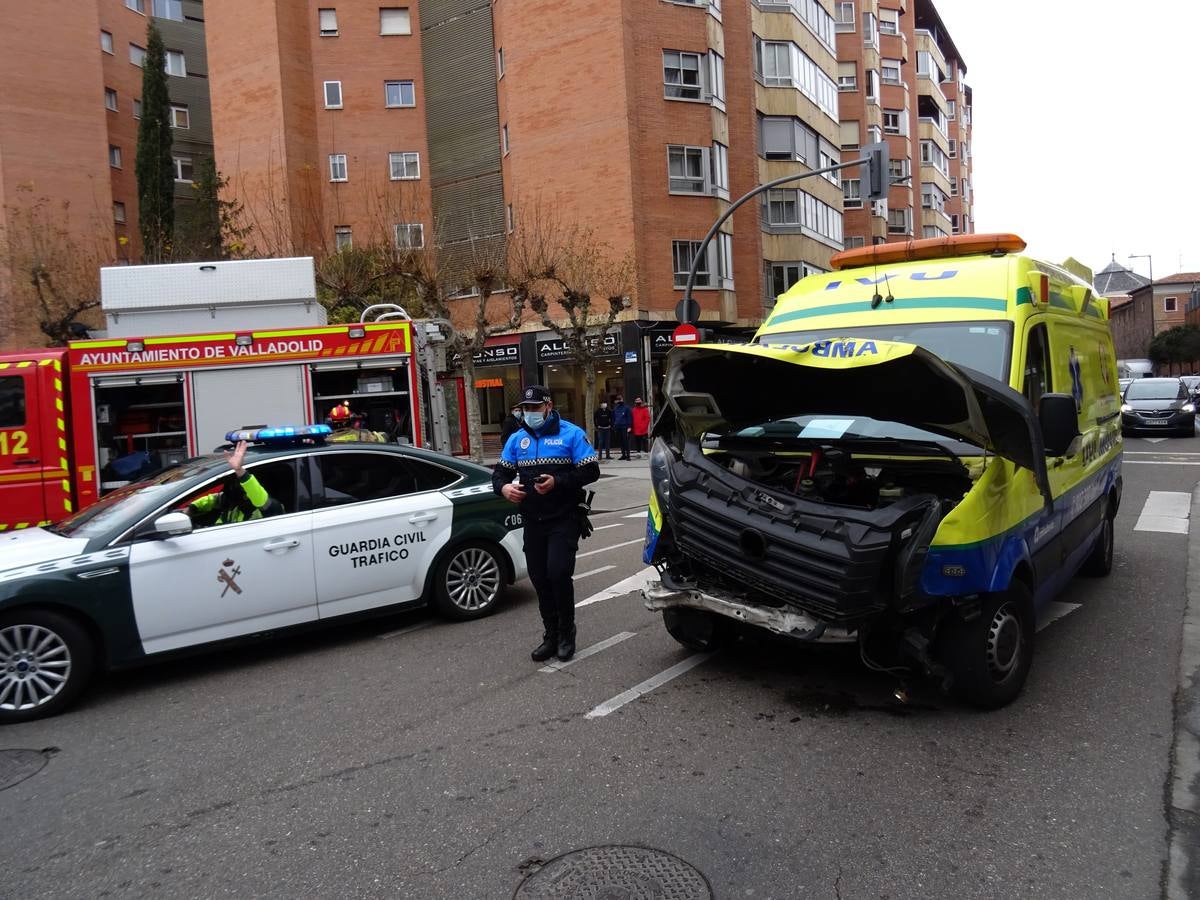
[511, 425]
[602, 419]
[622, 421]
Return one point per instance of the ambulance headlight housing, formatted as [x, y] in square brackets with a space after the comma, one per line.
[660, 463]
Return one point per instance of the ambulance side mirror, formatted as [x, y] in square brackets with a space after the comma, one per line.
[173, 524]
[1060, 422]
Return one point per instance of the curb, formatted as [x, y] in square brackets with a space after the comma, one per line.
[1182, 875]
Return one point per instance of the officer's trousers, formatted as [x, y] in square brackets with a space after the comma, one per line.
[550, 549]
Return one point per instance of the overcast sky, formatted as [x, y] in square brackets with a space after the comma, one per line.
[1079, 107]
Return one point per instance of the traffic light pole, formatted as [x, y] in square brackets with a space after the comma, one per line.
[874, 173]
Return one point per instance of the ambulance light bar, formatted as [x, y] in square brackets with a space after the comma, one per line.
[927, 248]
[288, 434]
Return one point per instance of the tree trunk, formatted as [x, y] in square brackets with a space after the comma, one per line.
[474, 430]
[589, 399]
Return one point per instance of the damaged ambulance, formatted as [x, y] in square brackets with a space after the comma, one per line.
[916, 452]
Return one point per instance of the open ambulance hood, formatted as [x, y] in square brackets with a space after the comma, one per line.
[727, 386]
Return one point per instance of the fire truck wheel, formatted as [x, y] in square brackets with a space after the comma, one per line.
[469, 582]
[46, 660]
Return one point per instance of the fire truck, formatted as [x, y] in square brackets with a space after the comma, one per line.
[191, 351]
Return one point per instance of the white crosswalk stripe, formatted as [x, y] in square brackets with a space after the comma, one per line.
[582, 575]
[606, 549]
[558, 664]
[1166, 511]
[637, 515]
[1053, 611]
[634, 582]
[645, 687]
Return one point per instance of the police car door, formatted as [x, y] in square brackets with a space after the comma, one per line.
[223, 581]
[376, 529]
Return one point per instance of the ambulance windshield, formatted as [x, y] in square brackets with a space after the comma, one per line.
[982, 346]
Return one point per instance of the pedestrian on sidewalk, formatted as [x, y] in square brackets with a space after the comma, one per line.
[602, 419]
[552, 461]
[641, 427]
[622, 421]
[510, 425]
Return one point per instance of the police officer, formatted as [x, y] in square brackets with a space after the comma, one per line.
[552, 460]
[240, 499]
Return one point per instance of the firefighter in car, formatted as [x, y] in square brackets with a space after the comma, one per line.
[241, 497]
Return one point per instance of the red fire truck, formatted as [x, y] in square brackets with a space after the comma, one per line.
[80, 421]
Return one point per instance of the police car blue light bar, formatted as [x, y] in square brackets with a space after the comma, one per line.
[279, 435]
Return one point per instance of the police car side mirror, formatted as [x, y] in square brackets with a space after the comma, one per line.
[173, 524]
[1060, 422]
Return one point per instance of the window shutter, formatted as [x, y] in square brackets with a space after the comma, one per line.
[394, 20]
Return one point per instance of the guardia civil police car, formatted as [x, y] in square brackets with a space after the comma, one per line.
[352, 528]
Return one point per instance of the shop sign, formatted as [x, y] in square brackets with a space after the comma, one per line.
[631, 356]
[489, 382]
[500, 355]
[662, 341]
[557, 350]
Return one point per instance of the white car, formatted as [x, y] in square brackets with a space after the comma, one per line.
[356, 529]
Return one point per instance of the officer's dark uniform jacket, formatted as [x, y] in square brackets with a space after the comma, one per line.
[558, 448]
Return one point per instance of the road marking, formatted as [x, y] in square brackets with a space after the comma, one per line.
[409, 630]
[1154, 440]
[559, 665]
[1160, 453]
[592, 572]
[1159, 462]
[634, 582]
[640, 515]
[1165, 511]
[1055, 610]
[602, 527]
[613, 547]
[648, 685]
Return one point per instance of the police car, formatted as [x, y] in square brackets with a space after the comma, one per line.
[352, 528]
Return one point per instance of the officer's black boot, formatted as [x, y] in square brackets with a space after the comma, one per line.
[566, 643]
[546, 648]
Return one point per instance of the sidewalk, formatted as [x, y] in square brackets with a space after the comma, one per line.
[622, 485]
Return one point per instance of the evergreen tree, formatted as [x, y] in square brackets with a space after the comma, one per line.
[155, 166]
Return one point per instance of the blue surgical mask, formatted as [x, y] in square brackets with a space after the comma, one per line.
[535, 419]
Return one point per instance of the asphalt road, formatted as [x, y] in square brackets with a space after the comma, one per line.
[408, 757]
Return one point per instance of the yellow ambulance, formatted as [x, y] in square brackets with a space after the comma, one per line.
[917, 451]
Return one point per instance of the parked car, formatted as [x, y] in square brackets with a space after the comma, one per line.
[1193, 384]
[1158, 405]
[358, 529]
[1123, 383]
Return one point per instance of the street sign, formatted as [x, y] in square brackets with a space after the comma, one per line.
[687, 310]
[686, 334]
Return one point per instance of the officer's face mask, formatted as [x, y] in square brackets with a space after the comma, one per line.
[535, 418]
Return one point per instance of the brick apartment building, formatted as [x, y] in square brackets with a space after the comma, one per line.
[901, 79]
[642, 120]
[69, 120]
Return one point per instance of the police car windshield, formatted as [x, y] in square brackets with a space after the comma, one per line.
[982, 346]
[129, 503]
[851, 428]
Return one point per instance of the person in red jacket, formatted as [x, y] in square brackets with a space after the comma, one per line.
[641, 426]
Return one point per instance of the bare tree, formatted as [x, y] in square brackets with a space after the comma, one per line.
[577, 285]
[53, 268]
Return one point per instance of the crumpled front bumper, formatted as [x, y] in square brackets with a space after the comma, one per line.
[787, 622]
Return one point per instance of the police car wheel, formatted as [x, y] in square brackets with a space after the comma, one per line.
[990, 655]
[470, 581]
[698, 629]
[1100, 560]
[45, 662]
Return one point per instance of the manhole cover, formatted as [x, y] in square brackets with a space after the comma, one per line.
[17, 765]
[615, 873]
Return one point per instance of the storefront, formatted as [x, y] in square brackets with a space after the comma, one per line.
[564, 376]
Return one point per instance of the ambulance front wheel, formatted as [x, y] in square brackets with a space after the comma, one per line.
[989, 655]
[469, 581]
[46, 660]
[698, 629]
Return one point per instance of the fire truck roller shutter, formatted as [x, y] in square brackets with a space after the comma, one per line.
[225, 399]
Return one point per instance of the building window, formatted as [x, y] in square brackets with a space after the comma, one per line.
[686, 170]
[138, 6]
[891, 71]
[724, 244]
[870, 33]
[394, 20]
[137, 109]
[409, 237]
[137, 55]
[850, 135]
[720, 168]
[114, 156]
[337, 167]
[954, 224]
[852, 193]
[844, 20]
[932, 155]
[404, 166]
[716, 78]
[953, 187]
[333, 95]
[855, 242]
[119, 213]
[179, 116]
[785, 137]
[681, 75]
[175, 64]
[847, 76]
[110, 99]
[933, 197]
[953, 148]
[683, 252]
[1169, 304]
[784, 64]
[500, 62]
[899, 220]
[106, 43]
[951, 110]
[504, 138]
[872, 91]
[783, 276]
[509, 220]
[897, 169]
[790, 208]
[399, 93]
[893, 121]
[169, 9]
[327, 21]
[342, 237]
[889, 21]
[183, 169]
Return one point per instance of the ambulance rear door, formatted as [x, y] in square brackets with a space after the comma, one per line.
[25, 459]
